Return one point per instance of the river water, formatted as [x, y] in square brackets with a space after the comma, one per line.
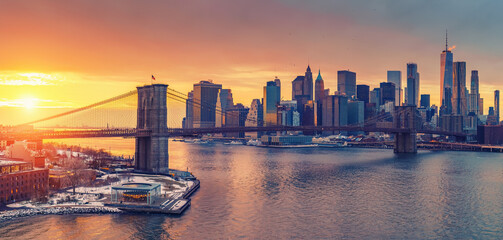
[260, 193]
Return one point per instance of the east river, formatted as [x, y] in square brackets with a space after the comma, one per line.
[260, 193]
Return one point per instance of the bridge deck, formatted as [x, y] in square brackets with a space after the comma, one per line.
[174, 132]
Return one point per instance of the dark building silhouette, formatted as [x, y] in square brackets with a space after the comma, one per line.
[272, 97]
[446, 79]
[412, 85]
[189, 111]
[425, 100]
[474, 97]
[459, 102]
[298, 86]
[497, 105]
[363, 92]
[396, 78]
[335, 109]
[492, 135]
[346, 83]
[370, 110]
[308, 83]
[236, 117]
[205, 100]
[375, 97]
[356, 112]
[319, 95]
[302, 91]
[387, 92]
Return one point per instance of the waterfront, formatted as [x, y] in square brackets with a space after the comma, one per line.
[308, 193]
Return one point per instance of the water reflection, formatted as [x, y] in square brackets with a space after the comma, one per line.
[312, 193]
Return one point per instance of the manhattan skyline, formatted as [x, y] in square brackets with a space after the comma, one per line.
[66, 55]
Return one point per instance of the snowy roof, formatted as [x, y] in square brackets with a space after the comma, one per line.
[5, 162]
[137, 186]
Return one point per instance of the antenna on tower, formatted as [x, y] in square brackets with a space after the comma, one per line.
[446, 46]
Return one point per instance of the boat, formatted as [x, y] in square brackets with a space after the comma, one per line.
[234, 143]
[254, 142]
[199, 141]
[290, 146]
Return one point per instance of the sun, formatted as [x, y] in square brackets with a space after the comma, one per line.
[29, 103]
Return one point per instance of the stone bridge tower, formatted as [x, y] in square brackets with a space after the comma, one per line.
[405, 118]
[151, 151]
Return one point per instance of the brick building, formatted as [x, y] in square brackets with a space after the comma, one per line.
[19, 181]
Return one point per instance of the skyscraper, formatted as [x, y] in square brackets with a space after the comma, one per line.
[319, 87]
[396, 78]
[189, 110]
[459, 89]
[425, 100]
[474, 93]
[412, 85]
[375, 97]
[272, 97]
[255, 116]
[235, 116]
[362, 93]
[226, 99]
[302, 91]
[298, 86]
[308, 83]
[356, 112]
[497, 105]
[387, 92]
[346, 83]
[205, 100]
[446, 78]
[481, 106]
[278, 83]
[224, 102]
[335, 108]
[319, 90]
[219, 113]
[287, 113]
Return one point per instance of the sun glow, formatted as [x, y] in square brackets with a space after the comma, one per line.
[28, 103]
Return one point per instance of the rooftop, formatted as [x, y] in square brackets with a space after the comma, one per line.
[8, 162]
[137, 186]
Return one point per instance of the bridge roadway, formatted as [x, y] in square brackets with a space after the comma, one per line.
[178, 132]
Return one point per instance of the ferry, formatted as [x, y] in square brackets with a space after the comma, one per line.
[234, 143]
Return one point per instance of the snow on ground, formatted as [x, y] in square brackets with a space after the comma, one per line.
[8, 215]
[96, 195]
[91, 199]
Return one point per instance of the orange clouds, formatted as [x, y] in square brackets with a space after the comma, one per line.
[105, 48]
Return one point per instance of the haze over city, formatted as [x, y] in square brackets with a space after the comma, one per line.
[68, 54]
[231, 119]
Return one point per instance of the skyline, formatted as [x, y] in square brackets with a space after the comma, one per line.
[66, 55]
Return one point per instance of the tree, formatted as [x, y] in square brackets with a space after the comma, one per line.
[77, 172]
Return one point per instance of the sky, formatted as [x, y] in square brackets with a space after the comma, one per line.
[64, 54]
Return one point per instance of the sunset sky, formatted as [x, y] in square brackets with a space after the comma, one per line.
[65, 54]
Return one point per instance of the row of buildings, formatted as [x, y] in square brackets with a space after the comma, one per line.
[461, 110]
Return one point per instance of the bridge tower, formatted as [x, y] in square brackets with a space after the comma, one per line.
[405, 118]
[151, 151]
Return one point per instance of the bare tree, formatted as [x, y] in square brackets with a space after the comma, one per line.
[77, 172]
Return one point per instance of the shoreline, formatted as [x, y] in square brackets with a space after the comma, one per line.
[15, 213]
[67, 210]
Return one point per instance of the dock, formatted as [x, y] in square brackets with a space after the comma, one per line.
[175, 203]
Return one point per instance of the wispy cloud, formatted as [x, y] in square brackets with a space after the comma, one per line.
[29, 79]
[33, 103]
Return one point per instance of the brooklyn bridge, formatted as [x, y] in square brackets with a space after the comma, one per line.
[144, 114]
